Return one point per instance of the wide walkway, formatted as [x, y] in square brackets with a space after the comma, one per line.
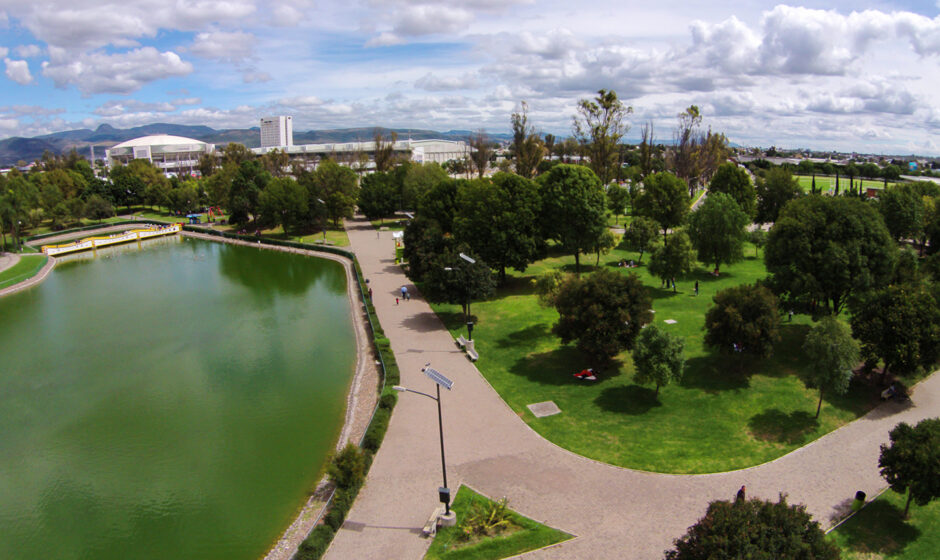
[615, 512]
[8, 260]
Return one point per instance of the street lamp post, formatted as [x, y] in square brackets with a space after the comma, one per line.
[439, 381]
[469, 322]
[323, 220]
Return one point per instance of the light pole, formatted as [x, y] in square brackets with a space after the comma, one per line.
[469, 260]
[323, 220]
[439, 381]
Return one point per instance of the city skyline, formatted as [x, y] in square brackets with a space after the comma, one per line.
[835, 75]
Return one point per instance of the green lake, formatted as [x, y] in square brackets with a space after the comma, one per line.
[176, 400]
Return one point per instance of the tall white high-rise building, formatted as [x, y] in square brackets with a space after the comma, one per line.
[277, 132]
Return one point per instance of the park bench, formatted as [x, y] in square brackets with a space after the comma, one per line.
[430, 528]
[462, 342]
[467, 346]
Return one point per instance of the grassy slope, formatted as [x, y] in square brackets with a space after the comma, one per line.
[28, 267]
[880, 531]
[533, 535]
[727, 412]
[825, 183]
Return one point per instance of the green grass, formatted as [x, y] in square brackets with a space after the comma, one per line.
[825, 183]
[529, 535]
[728, 412]
[29, 266]
[880, 531]
[392, 224]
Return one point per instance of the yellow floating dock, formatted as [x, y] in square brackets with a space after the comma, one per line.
[91, 243]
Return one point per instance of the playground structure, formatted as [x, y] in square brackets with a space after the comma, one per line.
[93, 243]
[215, 212]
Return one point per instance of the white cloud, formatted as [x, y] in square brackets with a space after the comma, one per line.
[430, 82]
[28, 51]
[428, 19]
[4, 51]
[98, 72]
[385, 39]
[254, 76]
[234, 46]
[18, 71]
[289, 13]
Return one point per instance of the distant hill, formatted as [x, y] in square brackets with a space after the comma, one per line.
[13, 150]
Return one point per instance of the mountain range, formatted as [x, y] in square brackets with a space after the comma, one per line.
[19, 149]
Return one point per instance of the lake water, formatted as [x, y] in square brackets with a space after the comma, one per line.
[172, 401]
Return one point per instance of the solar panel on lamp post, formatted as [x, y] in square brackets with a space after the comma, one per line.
[439, 381]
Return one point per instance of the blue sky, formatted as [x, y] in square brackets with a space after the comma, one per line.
[843, 75]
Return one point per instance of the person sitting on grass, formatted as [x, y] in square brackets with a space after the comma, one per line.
[586, 375]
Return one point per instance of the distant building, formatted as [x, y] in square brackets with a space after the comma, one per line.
[172, 154]
[420, 151]
[277, 132]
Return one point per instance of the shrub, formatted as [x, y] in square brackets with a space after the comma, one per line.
[388, 401]
[342, 502]
[348, 467]
[376, 432]
[316, 543]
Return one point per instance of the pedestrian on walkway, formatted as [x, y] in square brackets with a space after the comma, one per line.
[696, 287]
[370, 294]
[404, 293]
[740, 496]
[396, 301]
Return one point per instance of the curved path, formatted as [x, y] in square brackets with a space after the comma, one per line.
[615, 512]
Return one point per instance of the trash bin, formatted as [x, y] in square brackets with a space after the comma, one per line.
[860, 496]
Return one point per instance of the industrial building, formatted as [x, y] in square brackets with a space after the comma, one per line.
[421, 151]
[277, 132]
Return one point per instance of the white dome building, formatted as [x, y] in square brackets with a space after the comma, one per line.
[172, 154]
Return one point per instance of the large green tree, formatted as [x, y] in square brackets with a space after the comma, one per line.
[718, 230]
[743, 319]
[832, 354]
[248, 182]
[912, 462]
[674, 260]
[665, 199]
[499, 219]
[640, 235]
[337, 186]
[452, 279]
[617, 199]
[599, 126]
[822, 249]
[736, 183]
[774, 191]
[899, 325]
[283, 202]
[527, 148]
[658, 357]
[603, 312]
[573, 209]
[378, 197]
[903, 210]
[754, 529]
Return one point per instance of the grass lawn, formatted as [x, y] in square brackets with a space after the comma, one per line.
[28, 267]
[880, 531]
[728, 412]
[524, 536]
[393, 224]
[826, 183]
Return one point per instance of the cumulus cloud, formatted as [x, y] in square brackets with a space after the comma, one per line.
[99, 72]
[28, 51]
[4, 51]
[18, 71]
[288, 13]
[115, 107]
[430, 82]
[235, 46]
[254, 76]
[415, 18]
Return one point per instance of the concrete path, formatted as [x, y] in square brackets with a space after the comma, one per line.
[8, 260]
[615, 512]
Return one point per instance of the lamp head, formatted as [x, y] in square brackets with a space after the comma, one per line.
[399, 388]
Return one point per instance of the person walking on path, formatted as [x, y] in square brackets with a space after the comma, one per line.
[370, 293]
[404, 293]
[396, 301]
[740, 497]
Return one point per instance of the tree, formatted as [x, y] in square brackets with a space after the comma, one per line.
[718, 230]
[451, 279]
[206, 164]
[184, 199]
[20, 196]
[425, 241]
[97, 208]
[773, 192]
[823, 249]
[236, 154]
[758, 529]
[499, 219]
[338, 187]
[247, 184]
[658, 357]
[599, 126]
[385, 151]
[573, 209]
[646, 148]
[899, 325]
[832, 354]
[603, 312]
[736, 183]
[903, 210]
[275, 162]
[695, 155]
[480, 152]
[526, 148]
[665, 199]
[639, 235]
[758, 239]
[743, 319]
[912, 463]
[378, 196]
[617, 199]
[672, 260]
[283, 202]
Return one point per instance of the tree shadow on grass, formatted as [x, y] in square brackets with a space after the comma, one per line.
[557, 367]
[779, 427]
[717, 372]
[630, 399]
[524, 337]
[514, 286]
[879, 529]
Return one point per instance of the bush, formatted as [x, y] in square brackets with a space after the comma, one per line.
[315, 545]
[343, 501]
[388, 401]
[376, 432]
[348, 467]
